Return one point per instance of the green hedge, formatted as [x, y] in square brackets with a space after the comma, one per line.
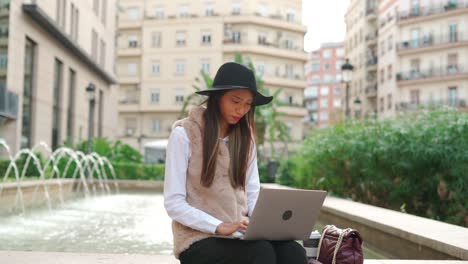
[416, 164]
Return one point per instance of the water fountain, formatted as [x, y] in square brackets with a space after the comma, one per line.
[90, 168]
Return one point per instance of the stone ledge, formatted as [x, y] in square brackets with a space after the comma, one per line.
[26, 257]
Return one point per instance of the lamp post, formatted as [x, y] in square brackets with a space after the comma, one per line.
[357, 107]
[91, 91]
[347, 72]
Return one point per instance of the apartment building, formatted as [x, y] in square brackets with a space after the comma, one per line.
[50, 51]
[163, 46]
[433, 54]
[417, 54]
[323, 95]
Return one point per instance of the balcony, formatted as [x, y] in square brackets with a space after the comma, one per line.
[131, 49]
[8, 104]
[433, 104]
[371, 90]
[371, 38]
[371, 14]
[444, 73]
[270, 49]
[431, 43]
[372, 64]
[420, 14]
[272, 21]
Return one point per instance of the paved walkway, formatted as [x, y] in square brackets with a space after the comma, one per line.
[22, 257]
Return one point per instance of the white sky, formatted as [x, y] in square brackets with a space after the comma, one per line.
[324, 20]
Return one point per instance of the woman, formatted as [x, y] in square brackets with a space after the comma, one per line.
[211, 180]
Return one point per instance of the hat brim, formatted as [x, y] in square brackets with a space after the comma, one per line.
[260, 99]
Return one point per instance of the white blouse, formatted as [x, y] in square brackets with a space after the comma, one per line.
[177, 158]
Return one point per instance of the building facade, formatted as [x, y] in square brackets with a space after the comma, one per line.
[415, 53]
[164, 45]
[50, 52]
[323, 99]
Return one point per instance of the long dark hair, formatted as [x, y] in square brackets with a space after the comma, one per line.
[240, 143]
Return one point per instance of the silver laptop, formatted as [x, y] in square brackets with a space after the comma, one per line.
[283, 214]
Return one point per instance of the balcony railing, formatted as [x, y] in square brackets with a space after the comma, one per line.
[129, 101]
[8, 104]
[431, 40]
[432, 104]
[372, 62]
[371, 89]
[372, 36]
[443, 71]
[428, 11]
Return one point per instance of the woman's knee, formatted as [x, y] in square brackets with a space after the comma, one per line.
[262, 252]
[289, 252]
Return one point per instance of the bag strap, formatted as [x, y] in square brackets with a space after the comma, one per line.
[338, 245]
[321, 239]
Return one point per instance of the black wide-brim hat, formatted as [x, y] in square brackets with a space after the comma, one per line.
[232, 75]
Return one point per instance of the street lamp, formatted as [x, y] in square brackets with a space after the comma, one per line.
[91, 91]
[357, 107]
[347, 73]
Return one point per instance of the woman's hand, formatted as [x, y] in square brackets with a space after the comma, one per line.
[226, 229]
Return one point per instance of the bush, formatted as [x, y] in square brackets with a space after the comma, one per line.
[417, 164]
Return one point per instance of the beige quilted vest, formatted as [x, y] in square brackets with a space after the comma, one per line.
[220, 200]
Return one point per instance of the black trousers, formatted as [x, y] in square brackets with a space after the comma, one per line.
[226, 251]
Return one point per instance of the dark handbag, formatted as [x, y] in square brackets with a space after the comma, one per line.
[340, 246]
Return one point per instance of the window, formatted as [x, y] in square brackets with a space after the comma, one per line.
[415, 68]
[382, 106]
[96, 7]
[104, 12]
[130, 126]
[453, 96]
[156, 39]
[382, 48]
[206, 65]
[236, 37]
[260, 68]
[453, 34]
[94, 45]
[389, 72]
[154, 96]
[71, 105]
[184, 11]
[414, 97]
[324, 90]
[327, 53]
[414, 7]
[180, 38]
[236, 8]
[156, 126]
[73, 22]
[56, 103]
[133, 13]
[390, 42]
[389, 101]
[155, 68]
[100, 112]
[209, 9]
[324, 103]
[206, 38]
[337, 103]
[132, 69]
[337, 90]
[180, 67]
[338, 65]
[338, 77]
[179, 95]
[340, 52]
[323, 116]
[326, 66]
[310, 92]
[415, 38]
[132, 41]
[61, 13]
[382, 75]
[102, 57]
[315, 79]
[290, 16]
[452, 63]
[263, 10]
[327, 78]
[315, 66]
[28, 94]
[262, 38]
[289, 69]
[159, 12]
